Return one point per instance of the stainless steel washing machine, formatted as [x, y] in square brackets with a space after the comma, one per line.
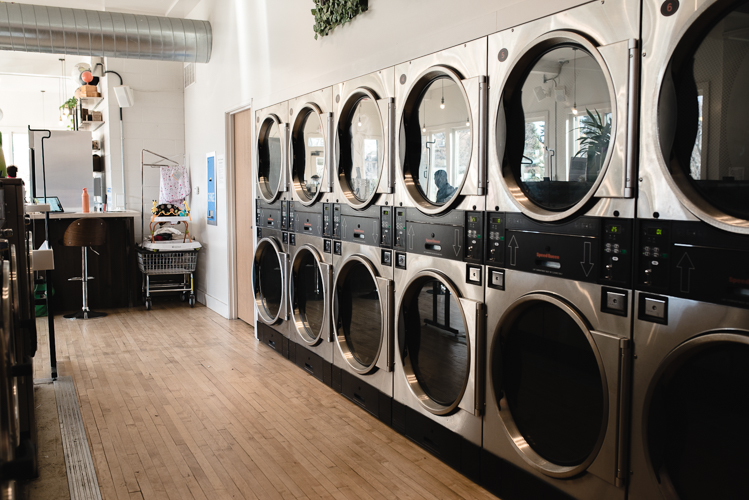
[563, 119]
[692, 206]
[440, 151]
[365, 140]
[271, 258]
[439, 352]
[557, 387]
[692, 272]
[690, 400]
[310, 305]
[362, 308]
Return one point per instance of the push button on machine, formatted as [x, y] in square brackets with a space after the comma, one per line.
[473, 275]
[616, 301]
[655, 308]
[498, 279]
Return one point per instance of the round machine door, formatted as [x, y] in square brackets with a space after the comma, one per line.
[550, 386]
[310, 279]
[361, 303]
[703, 116]
[437, 140]
[269, 280]
[270, 158]
[308, 153]
[559, 128]
[361, 147]
[696, 414]
[437, 342]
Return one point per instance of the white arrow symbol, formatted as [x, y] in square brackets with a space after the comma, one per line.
[374, 231]
[344, 229]
[686, 268]
[456, 246]
[586, 263]
[513, 251]
[411, 233]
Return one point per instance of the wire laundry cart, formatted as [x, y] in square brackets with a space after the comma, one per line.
[157, 262]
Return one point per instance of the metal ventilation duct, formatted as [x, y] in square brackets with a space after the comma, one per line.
[35, 28]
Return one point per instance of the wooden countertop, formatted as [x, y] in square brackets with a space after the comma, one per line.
[81, 215]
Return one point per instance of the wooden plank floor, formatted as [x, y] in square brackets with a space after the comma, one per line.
[182, 404]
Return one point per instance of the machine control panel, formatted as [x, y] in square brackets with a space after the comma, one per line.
[400, 229]
[285, 216]
[336, 222]
[458, 235]
[591, 249]
[693, 260]
[308, 220]
[268, 216]
[386, 227]
[292, 216]
[327, 220]
[495, 238]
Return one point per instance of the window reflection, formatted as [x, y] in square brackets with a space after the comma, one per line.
[269, 168]
[367, 142]
[445, 141]
[309, 156]
[566, 109]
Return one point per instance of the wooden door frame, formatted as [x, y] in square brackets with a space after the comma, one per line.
[231, 203]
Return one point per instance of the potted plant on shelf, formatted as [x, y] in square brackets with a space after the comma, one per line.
[68, 108]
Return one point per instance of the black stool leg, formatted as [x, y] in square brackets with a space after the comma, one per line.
[85, 313]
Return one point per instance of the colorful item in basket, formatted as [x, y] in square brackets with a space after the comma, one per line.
[166, 210]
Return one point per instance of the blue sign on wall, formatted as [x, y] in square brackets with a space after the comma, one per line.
[211, 168]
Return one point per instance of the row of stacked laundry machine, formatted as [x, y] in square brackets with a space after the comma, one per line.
[529, 253]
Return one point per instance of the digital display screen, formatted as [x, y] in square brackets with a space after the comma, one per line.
[654, 231]
[473, 219]
[497, 221]
[385, 212]
[613, 229]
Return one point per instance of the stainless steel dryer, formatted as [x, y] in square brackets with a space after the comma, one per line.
[271, 259]
[693, 254]
[562, 116]
[441, 120]
[690, 400]
[438, 386]
[310, 292]
[557, 385]
[362, 308]
[365, 140]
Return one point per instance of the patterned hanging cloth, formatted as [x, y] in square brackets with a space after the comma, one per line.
[175, 184]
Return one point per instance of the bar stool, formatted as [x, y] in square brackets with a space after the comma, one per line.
[85, 233]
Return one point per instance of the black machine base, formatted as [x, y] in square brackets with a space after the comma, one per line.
[509, 482]
[85, 315]
[451, 448]
[273, 339]
[370, 399]
[311, 363]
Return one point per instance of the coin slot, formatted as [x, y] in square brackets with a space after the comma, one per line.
[549, 264]
[433, 247]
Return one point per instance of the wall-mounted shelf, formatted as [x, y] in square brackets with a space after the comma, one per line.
[89, 126]
[91, 103]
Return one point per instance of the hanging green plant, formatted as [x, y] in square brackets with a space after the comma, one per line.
[331, 13]
[68, 107]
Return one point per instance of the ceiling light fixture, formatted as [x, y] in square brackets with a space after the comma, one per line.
[574, 72]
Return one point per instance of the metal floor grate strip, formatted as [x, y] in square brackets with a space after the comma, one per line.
[78, 462]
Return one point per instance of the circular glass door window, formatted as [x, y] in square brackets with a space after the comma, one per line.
[432, 335]
[309, 294]
[358, 313]
[697, 432]
[437, 139]
[546, 368]
[270, 158]
[559, 127]
[704, 123]
[362, 145]
[268, 283]
[308, 142]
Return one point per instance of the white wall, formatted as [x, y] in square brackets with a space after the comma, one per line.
[156, 122]
[265, 52]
